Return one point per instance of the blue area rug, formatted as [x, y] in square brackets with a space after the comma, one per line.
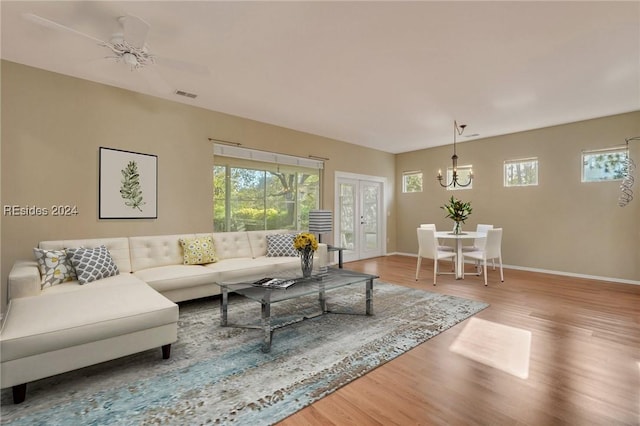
[219, 375]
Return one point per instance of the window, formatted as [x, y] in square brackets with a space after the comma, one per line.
[258, 195]
[464, 175]
[412, 182]
[523, 172]
[604, 164]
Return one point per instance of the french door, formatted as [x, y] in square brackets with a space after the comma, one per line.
[360, 224]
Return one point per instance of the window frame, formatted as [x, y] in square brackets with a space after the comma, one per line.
[521, 161]
[604, 151]
[408, 174]
[225, 219]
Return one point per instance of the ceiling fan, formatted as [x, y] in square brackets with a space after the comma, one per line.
[127, 44]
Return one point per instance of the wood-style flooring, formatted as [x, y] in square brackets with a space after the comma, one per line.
[584, 361]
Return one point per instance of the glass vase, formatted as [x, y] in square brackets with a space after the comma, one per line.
[306, 262]
[457, 228]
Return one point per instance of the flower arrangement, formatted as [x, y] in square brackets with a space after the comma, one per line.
[305, 241]
[457, 210]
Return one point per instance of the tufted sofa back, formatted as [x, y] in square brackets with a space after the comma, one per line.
[153, 251]
[232, 245]
[138, 253]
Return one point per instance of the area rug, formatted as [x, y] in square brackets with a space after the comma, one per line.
[219, 375]
[496, 345]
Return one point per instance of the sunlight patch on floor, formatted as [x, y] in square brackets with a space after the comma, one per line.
[496, 345]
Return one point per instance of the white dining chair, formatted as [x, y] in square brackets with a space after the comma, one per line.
[428, 249]
[441, 246]
[478, 243]
[492, 250]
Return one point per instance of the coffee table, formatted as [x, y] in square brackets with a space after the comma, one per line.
[331, 280]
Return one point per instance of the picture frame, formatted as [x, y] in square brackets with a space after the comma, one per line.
[128, 185]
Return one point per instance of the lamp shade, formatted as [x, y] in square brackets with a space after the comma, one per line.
[320, 221]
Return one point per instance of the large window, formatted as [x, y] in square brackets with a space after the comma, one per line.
[604, 164]
[523, 172]
[412, 182]
[256, 195]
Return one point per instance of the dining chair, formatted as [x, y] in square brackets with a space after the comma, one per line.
[442, 247]
[478, 243]
[428, 249]
[492, 250]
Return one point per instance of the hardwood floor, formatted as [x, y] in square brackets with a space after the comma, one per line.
[584, 361]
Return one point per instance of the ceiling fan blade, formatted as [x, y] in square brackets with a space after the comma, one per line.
[156, 82]
[56, 26]
[135, 30]
[182, 65]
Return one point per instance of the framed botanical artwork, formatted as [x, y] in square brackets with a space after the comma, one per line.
[128, 185]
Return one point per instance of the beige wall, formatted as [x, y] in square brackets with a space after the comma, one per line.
[53, 125]
[561, 224]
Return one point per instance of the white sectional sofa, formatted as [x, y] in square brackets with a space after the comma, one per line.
[69, 326]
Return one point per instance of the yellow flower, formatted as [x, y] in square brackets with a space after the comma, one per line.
[305, 241]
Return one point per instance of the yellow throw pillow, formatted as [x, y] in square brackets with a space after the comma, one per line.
[198, 251]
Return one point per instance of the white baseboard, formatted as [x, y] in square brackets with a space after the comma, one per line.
[548, 271]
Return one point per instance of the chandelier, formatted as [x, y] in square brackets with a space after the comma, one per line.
[457, 130]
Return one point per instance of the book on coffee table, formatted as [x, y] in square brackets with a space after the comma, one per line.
[274, 282]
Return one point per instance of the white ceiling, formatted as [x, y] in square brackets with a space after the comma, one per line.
[388, 75]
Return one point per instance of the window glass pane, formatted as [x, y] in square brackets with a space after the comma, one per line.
[464, 176]
[247, 199]
[255, 195]
[220, 200]
[412, 182]
[521, 172]
[603, 165]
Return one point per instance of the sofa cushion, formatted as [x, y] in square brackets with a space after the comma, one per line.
[281, 245]
[55, 266]
[118, 249]
[33, 325]
[198, 251]
[159, 250]
[120, 279]
[92, 264]
[171, 277]
[239, 269]
[232, 245]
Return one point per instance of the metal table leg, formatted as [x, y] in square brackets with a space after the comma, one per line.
[266, 323]
[224, 303]
[369, 297]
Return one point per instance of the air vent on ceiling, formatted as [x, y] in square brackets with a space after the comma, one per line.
[187, 94]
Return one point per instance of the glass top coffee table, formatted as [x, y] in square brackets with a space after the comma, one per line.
[319, 284]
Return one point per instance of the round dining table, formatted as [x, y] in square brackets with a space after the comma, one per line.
[459, 239]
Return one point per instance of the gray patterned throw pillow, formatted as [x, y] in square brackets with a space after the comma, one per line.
[92, 264]
[55, 267]
[279, 245]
